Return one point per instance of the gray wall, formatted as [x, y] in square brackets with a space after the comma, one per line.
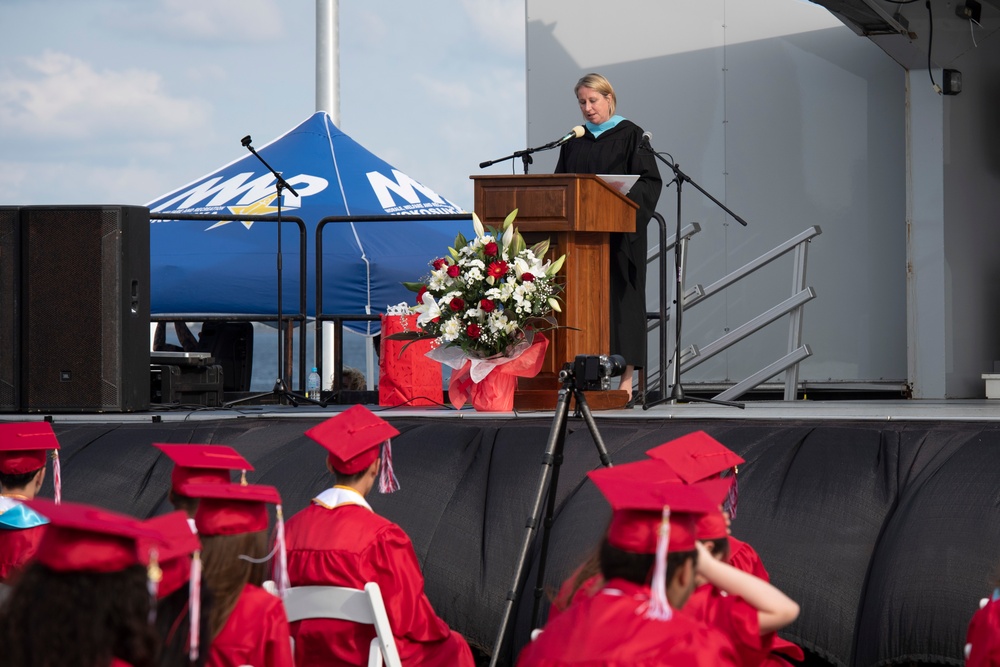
[787, 117]
[954, 286]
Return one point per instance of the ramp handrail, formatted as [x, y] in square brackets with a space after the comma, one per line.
[793, 306]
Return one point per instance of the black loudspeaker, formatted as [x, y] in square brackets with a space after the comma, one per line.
[10, 312]
[85, 308]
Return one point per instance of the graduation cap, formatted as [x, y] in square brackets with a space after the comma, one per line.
[23, 448]
[180, 564]
[197, 464]
[234, 509]
[176, 555]
[697, 456]
[354, 439]
[84, 538]
[651, 515]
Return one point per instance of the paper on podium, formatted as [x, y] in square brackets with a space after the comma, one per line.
[620, 182]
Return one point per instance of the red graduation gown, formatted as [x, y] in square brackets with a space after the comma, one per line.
[256, 633]
[349, 546]
[983, 638]
[732, 616]
[744, 557]
[610, 630]
[17, 546]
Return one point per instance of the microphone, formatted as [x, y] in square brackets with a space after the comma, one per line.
[644, 142]
[245, 141]
[575, 133]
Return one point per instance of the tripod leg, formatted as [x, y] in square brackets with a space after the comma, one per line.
[557, 435]
[584, 409]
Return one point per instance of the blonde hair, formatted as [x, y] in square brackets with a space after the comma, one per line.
[597, 82]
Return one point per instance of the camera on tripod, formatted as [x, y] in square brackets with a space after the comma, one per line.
[593, 371]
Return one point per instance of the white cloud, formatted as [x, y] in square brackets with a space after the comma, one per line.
[499, 22]
[58, 96]
[217, 20]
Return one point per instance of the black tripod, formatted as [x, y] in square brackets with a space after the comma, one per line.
[279, 391]
[551, 461]
[676, 390]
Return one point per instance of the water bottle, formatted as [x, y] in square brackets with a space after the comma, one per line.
[312, 385]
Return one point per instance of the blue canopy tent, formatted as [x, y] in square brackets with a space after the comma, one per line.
[229, 266]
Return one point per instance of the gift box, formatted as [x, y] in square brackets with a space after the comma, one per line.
[406, 375]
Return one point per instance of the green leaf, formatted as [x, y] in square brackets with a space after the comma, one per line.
[555, 266]
[414, 287]
[540, 248]
[509, 220]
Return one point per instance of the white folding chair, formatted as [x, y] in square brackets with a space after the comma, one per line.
[348, 604]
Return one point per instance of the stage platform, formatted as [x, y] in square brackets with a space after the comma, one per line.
[881, 518]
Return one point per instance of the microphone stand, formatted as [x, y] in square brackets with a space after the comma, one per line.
[280, 391]
[677, 394]
[525, 155]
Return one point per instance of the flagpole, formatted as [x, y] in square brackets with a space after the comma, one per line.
[328, 100]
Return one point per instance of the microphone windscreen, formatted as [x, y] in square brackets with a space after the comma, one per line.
[578, 131]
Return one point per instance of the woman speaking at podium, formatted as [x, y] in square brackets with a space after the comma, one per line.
[610, 145]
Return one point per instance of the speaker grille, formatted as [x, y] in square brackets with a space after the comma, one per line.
[10, 296]
[86, 344]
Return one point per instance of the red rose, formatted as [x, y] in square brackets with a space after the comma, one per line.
[487, 305]
[420, 294]
[491, 249]
[527, 277]
[497, 269]
[456, 304]
[473, 330]
[453, 270]
[439, 263]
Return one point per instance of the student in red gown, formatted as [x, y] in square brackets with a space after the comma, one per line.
[23, 449]
[85, 598]
[339, 541]
[648, 563]
[698, 456]
[982, 640]
[744, 607]
[200, 464]
[247, 625]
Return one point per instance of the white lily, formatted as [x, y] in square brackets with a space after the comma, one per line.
[477, 225]
[428, 309]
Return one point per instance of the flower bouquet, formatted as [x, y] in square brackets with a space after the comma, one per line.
[486, 305]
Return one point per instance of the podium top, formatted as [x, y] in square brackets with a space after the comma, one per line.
[554, 203]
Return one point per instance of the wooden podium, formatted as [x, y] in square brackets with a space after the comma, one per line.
[577, 213]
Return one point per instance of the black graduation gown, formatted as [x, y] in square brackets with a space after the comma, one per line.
[614, 152]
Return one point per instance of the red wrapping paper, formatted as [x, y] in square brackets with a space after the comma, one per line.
[495, 393]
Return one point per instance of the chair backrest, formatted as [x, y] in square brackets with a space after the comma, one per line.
[347, 604]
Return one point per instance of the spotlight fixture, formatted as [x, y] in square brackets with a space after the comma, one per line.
[951, 83]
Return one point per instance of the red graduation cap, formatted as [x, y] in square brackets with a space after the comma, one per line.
[180, 564]
[197, 464]
[175, 556]
[696, 456]
[23, 446]
[84, 538]
[638, 493]
[231, 509]
[354, 440]
[651, 514]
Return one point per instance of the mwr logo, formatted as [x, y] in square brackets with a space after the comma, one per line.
[406, 189]
[238, 191]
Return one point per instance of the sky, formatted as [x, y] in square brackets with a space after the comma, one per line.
[119, 101]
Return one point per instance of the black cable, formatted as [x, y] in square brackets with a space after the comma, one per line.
[930, 44]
